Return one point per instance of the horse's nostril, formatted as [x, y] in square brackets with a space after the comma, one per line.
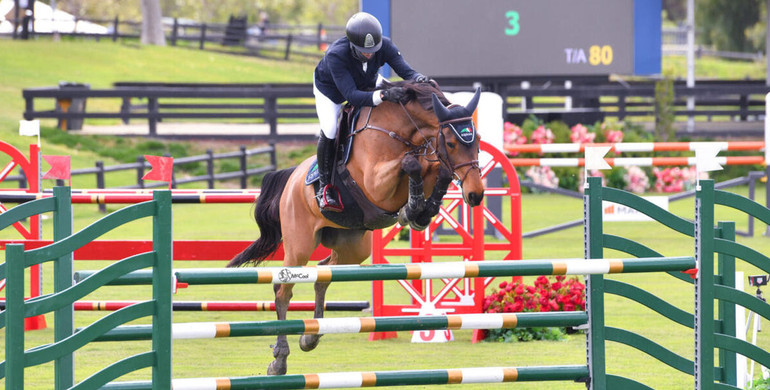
[475, 199]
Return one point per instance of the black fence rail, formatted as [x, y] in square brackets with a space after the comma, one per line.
[279, 40]
[141, 166]
[154, 102]
[714, 101]
[723, 103]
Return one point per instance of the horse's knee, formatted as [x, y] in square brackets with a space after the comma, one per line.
[410, 165]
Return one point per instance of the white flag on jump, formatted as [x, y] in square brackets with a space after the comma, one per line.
[595, 157]
[706, 158]
[30, 128]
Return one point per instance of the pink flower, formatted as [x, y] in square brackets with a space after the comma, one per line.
[581, 135]
[636, 180]
[614, 136]
[544, 176]
[512, 135]
[542, 135]
[674, 179]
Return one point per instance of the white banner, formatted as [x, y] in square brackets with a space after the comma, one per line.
[613, 212]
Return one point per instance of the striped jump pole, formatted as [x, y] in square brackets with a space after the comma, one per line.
[113, 197]
[222, 305]
[207, 330]
[634, 161]
[637, 147]
[375, 378]
[356, 273]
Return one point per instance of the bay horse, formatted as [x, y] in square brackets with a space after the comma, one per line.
[404, 155]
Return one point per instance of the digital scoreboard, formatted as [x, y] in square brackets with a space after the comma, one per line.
[520, 38]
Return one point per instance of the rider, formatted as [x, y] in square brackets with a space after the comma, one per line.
[348, 72]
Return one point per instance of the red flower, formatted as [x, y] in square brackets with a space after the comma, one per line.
[544, 296]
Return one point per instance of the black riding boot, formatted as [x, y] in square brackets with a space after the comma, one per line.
[327, 193]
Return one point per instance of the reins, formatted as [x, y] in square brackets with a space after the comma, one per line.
[426, 148]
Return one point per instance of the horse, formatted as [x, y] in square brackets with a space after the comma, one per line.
[403, 157]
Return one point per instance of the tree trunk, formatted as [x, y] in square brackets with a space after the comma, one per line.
[152, 25]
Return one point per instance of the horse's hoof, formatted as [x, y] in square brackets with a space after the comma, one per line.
[276, 368]
[308, 342]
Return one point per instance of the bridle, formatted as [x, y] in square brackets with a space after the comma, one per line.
[426, 148]
[472, 163]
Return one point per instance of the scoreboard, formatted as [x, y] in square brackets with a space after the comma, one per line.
[518, 38]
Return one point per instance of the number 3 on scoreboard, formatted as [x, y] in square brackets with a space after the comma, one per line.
[513, 23]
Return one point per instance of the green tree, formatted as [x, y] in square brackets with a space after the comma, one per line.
[676, 10]
[726, 24]
[328, 12]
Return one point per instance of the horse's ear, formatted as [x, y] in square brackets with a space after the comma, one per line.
[471, 106]
[442, 113]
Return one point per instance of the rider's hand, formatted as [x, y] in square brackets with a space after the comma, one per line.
[394, 94]
[421, 78]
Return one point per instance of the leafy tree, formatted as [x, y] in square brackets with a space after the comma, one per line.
[329, 12]
[676, 10]
[726, 23]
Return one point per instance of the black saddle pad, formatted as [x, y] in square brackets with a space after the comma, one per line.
[352, 217]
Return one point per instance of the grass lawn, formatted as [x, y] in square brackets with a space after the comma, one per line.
[42, 63]
[246, 357]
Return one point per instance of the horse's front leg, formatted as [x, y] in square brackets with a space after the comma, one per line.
[283, 295]
[416, 204]
[433, 204]
[308, 342]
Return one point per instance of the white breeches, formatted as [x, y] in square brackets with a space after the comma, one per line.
[328, 113]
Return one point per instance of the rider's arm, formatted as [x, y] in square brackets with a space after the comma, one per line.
[347, 86]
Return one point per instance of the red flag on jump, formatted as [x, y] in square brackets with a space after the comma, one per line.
[161, 168]
[60, 167]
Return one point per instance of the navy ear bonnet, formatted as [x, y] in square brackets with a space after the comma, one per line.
[459, 118]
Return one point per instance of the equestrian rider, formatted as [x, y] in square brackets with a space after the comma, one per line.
[348, 72]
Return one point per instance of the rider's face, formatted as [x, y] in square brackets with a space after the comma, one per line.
[367, 55]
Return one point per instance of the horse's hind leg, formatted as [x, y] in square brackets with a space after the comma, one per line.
[283, 295]
[350, 247]
[308, 342]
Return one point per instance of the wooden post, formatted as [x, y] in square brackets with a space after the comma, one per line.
[100, 182]
[244, 168]
[203, 36]
[174, 32]
[288, 47]
[210, 167]
[140, 171]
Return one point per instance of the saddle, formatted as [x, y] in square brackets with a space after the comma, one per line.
[359, 213]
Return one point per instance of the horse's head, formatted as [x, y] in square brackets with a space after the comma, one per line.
[458, 146]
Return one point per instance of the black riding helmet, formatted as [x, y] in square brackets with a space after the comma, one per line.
[364, 32]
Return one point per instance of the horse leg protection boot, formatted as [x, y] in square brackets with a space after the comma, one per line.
[434, 201]
[327, 194]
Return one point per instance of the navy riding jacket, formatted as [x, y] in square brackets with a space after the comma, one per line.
[341, 77]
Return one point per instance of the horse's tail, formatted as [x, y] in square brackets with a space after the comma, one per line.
[268, 217]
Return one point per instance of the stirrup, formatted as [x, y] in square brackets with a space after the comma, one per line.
[324, 201]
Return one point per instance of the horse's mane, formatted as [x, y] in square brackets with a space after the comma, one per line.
[421, 92]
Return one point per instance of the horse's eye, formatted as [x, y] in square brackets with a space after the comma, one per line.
[451, 144]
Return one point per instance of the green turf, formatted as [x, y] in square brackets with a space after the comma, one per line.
[42, 63]
[245, 357]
